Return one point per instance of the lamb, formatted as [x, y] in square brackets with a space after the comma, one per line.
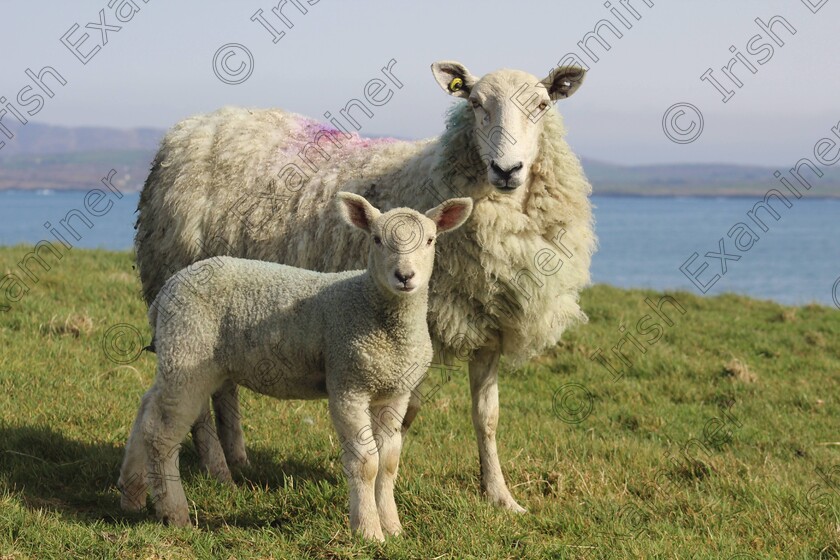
[358, 338]
[252, 183]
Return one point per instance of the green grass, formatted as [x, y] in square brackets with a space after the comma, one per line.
[610, 486]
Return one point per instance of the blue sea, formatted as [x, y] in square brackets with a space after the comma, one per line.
[642, 241]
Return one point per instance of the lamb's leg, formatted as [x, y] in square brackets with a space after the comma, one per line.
[360, 460]
[132, 481]
[484, 369]
[171, 411]
[210, 453]
[228, 424]
[387, 420]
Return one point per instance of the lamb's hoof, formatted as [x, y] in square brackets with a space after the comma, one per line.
[133, 504]
[176, 519]
[132, 493]
[371, 533]
[392, 530]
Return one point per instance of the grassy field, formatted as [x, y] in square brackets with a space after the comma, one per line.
[719, 441]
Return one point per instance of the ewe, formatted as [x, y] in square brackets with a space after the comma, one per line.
[359, 338]
[227, 184]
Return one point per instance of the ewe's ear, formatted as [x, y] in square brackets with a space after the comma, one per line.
[451, 214]
[562, 82]
[356, 211]
[453, 77]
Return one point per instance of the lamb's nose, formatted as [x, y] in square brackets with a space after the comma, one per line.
[403, 278]
[505, 173]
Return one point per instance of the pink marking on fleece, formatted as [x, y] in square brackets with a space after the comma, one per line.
[307, 130]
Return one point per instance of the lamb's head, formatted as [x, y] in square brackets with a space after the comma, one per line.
[402, 241]
[508, 106]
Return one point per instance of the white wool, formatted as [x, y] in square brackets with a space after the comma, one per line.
[213, 169]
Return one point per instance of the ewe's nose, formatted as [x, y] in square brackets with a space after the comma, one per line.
[505, 173]
[404, 278]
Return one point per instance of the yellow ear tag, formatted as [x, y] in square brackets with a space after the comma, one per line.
[456, 84]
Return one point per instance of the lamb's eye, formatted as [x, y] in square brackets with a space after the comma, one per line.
[542, 106]
[377, 239]
[430, 241]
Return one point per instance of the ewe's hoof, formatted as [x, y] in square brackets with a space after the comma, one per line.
[515, 508]
[238, 462]
[221, 473]
[507, 502]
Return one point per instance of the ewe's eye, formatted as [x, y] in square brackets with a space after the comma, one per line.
[475, 104]
[430, 241]
[377, 239]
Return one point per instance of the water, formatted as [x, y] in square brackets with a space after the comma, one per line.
[23, 214]
[643, 241]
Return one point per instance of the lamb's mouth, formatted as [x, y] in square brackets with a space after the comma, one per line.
[406, 289]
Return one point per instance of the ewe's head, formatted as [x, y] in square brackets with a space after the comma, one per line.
[508, 106]
[402, 241]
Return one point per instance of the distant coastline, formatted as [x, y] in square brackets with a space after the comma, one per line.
[746, 195]
[74, 159]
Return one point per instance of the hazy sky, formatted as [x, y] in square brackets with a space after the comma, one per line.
[158, 68]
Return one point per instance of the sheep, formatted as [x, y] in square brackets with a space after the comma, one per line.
[251, 183]
[358, 338]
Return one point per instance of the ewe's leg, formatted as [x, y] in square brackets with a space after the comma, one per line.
[170, 414]
[360, 459]
[132, 481]
[414, 404]
[209, 449]
[484, 369]
[442, 365]
[387, 420]
[228, 424]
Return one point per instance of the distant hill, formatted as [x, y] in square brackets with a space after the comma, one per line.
[697, 180]
[75, 170]
[43, 156]
[40, 139]
[55, 157]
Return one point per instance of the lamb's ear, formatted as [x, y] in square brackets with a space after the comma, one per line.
[562, 82]
[356, 211]
[453, 77]
[451, 214]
